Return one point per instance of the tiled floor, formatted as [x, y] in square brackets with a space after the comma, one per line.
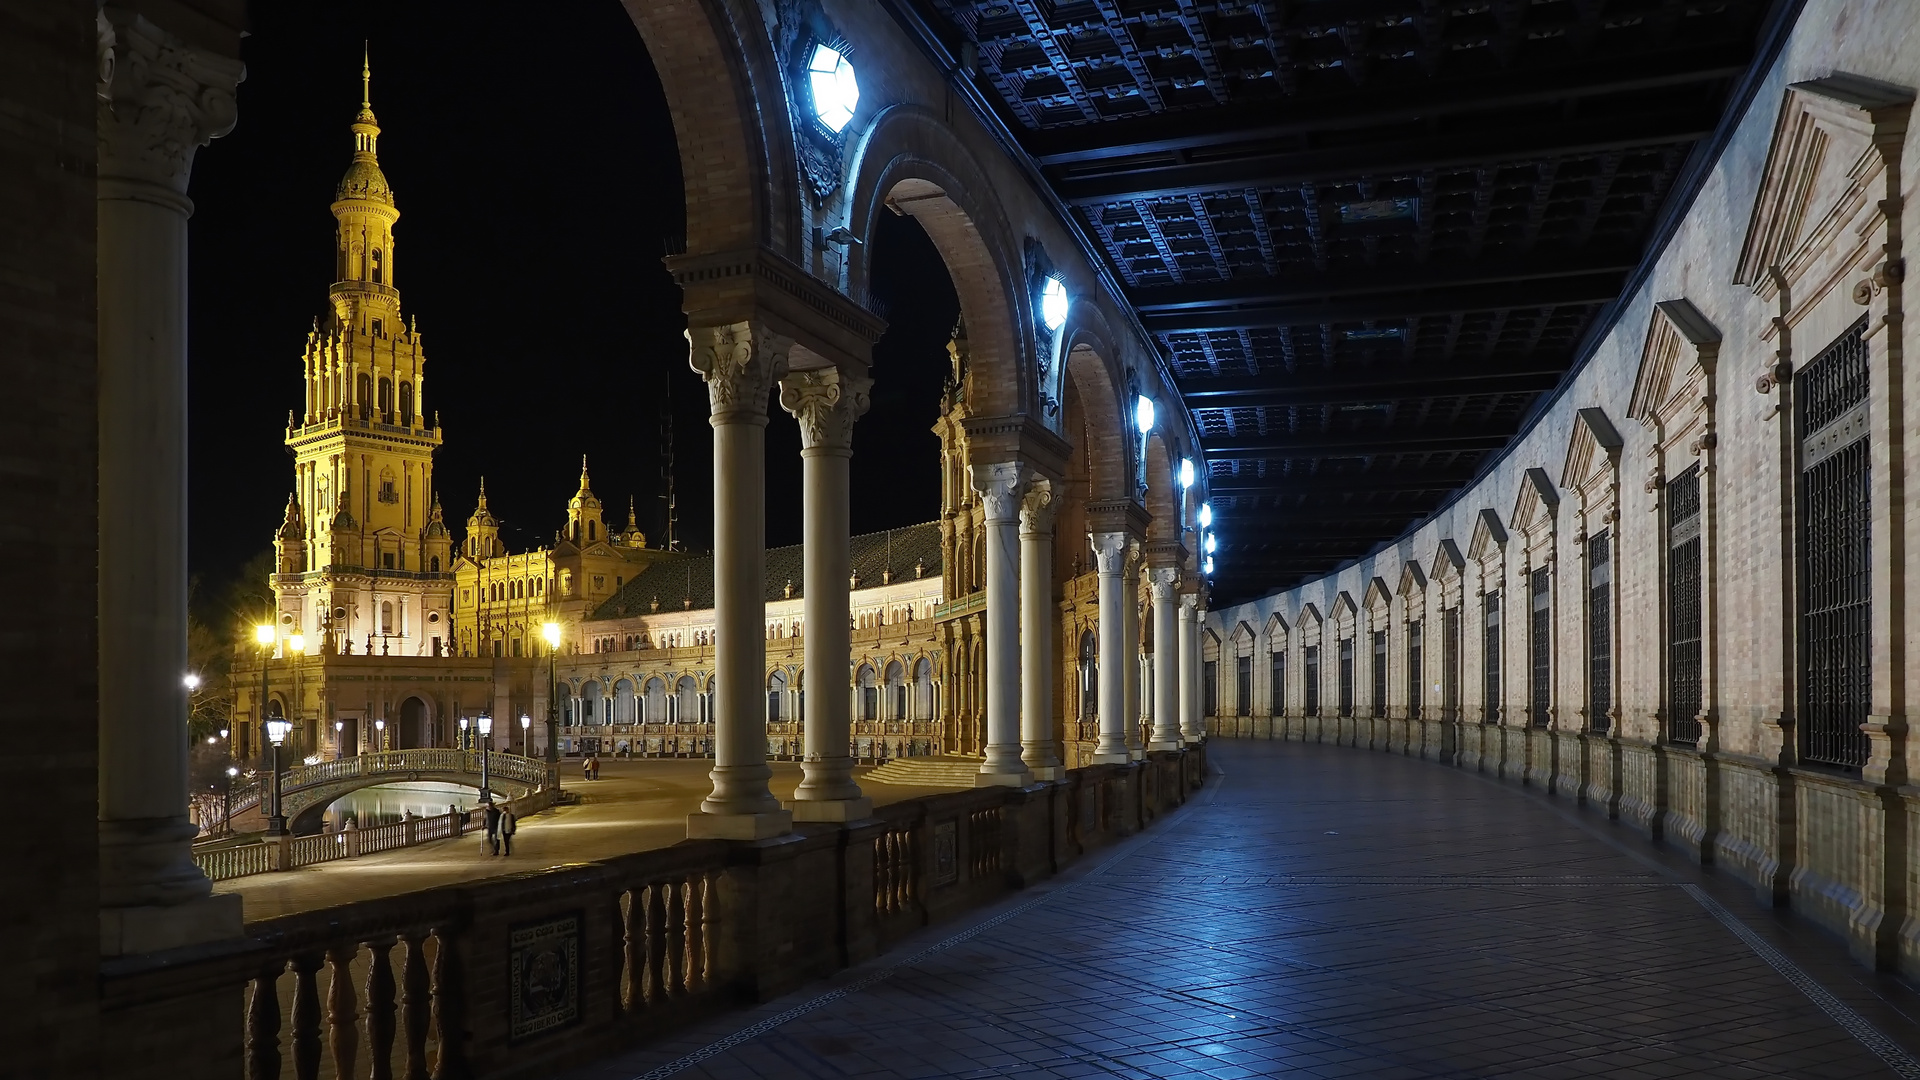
[1327, 912]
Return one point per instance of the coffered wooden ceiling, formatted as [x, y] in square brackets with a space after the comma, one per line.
[1369, 234]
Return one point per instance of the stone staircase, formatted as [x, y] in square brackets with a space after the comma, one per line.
[948, 772]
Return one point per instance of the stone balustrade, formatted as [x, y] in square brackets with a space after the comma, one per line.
[388, 766]
[610, 953]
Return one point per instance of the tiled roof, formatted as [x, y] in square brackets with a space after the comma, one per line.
[675, 579]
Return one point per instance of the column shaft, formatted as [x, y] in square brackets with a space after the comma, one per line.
[1190, 727]
[1110, 553]
[1130, 626]
[1166, 660]
[1001, 487]
[1038, 748]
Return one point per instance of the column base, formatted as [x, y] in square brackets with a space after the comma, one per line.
[830, 809]
[1163, 744]
[1121, 757]
[1049, 772]
[1002, 779]
[1137, 754]
[761, 826]
[1191, 739]
[126, 931]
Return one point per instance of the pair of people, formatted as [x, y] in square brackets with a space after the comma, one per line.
[590, 767]
[502, 823]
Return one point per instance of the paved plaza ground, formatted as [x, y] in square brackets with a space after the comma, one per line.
[634, 806]
[1329, 912]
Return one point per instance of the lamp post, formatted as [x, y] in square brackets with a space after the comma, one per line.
[551, 632]
[277, 729]
[226, 800]
[380, 735]
[485, 724]
[339, 734]
[526, 735]
[263, 635]
[464, 744]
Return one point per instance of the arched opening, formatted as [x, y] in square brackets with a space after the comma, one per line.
[896, 691]
[653, 702]
[777, 697]
[867, 691]
[413, 728]
[625, 707]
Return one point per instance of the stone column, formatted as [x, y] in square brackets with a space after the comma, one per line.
[1191, 729]
[1037, 746]
[740, 362]
[1001, 488]
[826, 403]
[162, 99]
[1162, 581]
[1130, 624]
[1110, 556]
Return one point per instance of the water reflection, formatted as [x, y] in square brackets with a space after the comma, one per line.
[388, 803]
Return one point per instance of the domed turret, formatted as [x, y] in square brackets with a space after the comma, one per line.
[483, 532]
[585, 524]
[290, 546]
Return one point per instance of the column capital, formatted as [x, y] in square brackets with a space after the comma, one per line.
[160, 99]
[1038, 508]
[1110, 551]
[826, 402]
[1161, 583]
[740, 362]
[1189, 605]
[1001, 487]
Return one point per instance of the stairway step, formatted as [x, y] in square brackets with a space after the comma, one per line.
[954, 772]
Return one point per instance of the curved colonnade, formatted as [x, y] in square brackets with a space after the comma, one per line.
[1682, 595]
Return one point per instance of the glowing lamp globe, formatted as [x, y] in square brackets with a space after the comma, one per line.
[1206, 515]
[277, 730]
[1186, 472]
[836, 93]
[1053, 303]
[551, 631]
[263, 634]
[1143, 414]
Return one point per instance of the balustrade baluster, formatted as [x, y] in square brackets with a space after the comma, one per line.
[263, 1025]
[632, 911]
[416, 1005]
[656, 945]
[343, 1034]
[380, 1008]
[676, 941]
[690, 891]
[449, 1010]
[306, 1017]
[709, 889]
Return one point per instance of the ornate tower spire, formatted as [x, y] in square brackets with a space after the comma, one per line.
[584, 522]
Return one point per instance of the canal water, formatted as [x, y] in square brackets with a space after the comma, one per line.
[389, 803]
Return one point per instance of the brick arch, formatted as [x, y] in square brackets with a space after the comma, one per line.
[723, 85]
[909, 161]
[1092, 364]
[1162, 498]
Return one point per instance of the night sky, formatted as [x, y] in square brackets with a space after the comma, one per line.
[534, 164]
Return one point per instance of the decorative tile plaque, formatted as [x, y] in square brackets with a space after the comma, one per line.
[544, 961]
[946, 852]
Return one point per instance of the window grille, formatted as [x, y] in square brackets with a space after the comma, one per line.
[1450, 664]
[1415, 676]
[1683, 607]
[1542, 649]
[1243, 685]
[1379, 673]
[1836, 572]
[1277, 685]
[1490, 671]
[1599, 632]
[1346, 676]
[1311, 689]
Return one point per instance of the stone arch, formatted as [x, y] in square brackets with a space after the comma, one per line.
[1089, 370]
[1162, 498]
[731, 121]
[910, 162]
[625, 705]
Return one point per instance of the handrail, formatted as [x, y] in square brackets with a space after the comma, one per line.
[502, 765]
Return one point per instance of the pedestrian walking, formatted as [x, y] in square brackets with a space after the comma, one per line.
[493, 827]
[509, 824]
[586, 767]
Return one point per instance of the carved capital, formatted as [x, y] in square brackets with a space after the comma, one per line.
[826, 403]
[1110, 551]
[740, 362]
[1000, 488]
[1189, 605]
[1161, 583]
[1038, 508]
[160, 100]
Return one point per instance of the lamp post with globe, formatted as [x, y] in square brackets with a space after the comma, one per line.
[526, 735]
[464, 744]
[226, 800]
[263, 636]
[485, 724]
[551, 631]
[380, 735]
[277, 729]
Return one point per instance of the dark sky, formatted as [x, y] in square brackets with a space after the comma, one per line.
[534, 166]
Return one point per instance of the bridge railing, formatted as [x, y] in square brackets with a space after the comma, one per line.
[514, 768]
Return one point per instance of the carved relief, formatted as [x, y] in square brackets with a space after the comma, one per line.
[740, 362]
[160, 100]
[1000, 487]
[826, 403]
[1038, 508]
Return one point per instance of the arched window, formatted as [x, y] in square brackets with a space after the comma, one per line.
[433, 564]
[869, 694]
[687, 704]
[377, 268]
[591, 532]
[386, 400]
[653, 704]
[776, 697]
[386, 616]
[406, 404]
[365, 396]
[896, 691]
[923, 690]
[624, 705]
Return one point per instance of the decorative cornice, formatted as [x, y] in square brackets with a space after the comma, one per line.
[160, 100]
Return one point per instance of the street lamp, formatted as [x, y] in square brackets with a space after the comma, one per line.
[226, 800]
[551, 632]
[263, 635]
[464, 744]
[485, 724]
[380, 735]
[526, 735]
[277, 729]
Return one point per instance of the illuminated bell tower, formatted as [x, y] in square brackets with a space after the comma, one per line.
[373, 578]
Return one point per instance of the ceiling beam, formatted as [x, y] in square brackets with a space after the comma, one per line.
[1198, 389]
[1379, 390]
[1358, 443]
[1384, 482]
[1359, 107]
[1396, 152]
[1267, 514]
[1240, 291]
[1588, 288]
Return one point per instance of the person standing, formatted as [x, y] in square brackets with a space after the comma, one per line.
[586, 767]
[493, 827]
[509, 824]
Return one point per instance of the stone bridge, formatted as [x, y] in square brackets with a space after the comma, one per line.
[307, 789]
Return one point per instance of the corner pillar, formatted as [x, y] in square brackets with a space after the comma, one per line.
[826, 403]
[740, 363]
[162, 99]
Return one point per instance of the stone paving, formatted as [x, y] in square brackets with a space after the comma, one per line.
[1328, 912]
[635, 806]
